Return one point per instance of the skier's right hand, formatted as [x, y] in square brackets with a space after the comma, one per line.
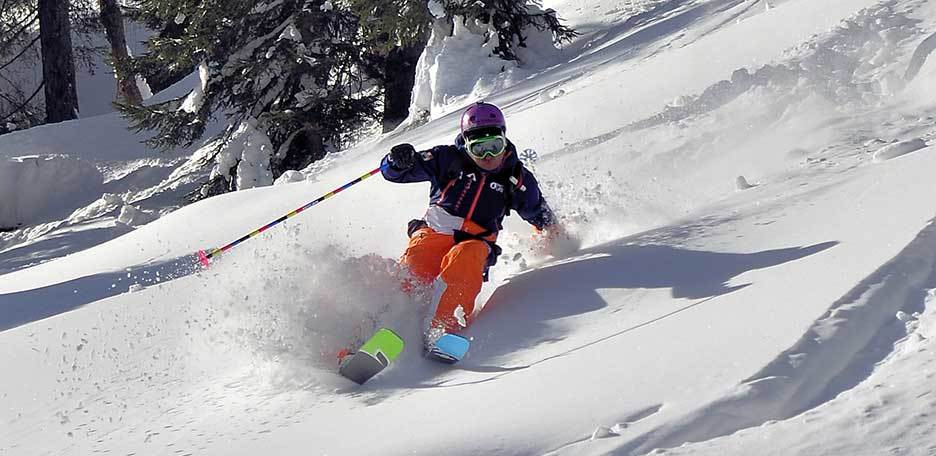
[555, 241]
[402, 157]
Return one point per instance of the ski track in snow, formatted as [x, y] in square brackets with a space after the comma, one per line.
[838, 352]
[861, 323]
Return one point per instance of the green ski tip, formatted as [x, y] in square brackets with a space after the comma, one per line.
[384, 341]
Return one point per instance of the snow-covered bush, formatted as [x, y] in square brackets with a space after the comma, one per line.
[245, 159]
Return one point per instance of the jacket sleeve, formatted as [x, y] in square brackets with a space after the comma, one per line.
[427, 167]
[530, 204]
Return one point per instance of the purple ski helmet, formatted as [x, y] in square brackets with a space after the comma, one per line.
[482, 115]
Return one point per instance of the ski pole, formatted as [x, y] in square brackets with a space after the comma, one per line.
[205, 256]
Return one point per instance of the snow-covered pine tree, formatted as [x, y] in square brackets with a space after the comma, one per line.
[155, 68]
[511, 20]
[480, 47]
[395, 33]
[289, 75]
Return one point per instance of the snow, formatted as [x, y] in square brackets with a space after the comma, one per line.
[682, 316]
[291, 33]
[743, 184]
[193, 102]
[145, 91]
[153, 180]
[132, 216]
[888, 413]
[898, 149]
[248, 151]
[437, 9]
[289, 177]
[42, 188]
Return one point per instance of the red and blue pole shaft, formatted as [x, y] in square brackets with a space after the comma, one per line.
[205, 255]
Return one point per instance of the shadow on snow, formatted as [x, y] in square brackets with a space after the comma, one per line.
[32, 305]
[518, 314]
[56, 245]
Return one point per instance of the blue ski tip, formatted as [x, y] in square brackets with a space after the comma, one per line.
[450, 348]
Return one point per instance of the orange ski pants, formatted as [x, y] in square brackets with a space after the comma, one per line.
[460, 266]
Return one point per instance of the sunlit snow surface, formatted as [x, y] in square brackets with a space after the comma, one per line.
[753, 319]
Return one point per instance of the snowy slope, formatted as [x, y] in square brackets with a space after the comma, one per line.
[696, 308]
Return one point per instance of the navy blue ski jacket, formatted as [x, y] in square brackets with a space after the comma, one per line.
[463, 191]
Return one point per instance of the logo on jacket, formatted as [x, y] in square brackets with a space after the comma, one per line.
[497, 187]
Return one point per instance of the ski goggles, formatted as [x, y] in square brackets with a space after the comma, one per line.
[488, 145]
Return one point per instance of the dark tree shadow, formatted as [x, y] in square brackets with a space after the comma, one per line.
[56, 245]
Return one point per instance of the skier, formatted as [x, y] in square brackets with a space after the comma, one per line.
[474, 185]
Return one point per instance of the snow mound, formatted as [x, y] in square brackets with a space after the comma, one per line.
[742, 183]
[132, 216]
[289, 177]
[898, 149]
[42, 188]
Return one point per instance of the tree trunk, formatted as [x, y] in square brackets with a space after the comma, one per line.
[400, 71]
[58, 64]
[112, 18]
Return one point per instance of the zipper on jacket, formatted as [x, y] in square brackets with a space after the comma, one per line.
[474, 203]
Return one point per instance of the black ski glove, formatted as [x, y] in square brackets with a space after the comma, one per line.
[402, 157]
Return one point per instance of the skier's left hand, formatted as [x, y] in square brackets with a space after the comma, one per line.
[402, 157]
